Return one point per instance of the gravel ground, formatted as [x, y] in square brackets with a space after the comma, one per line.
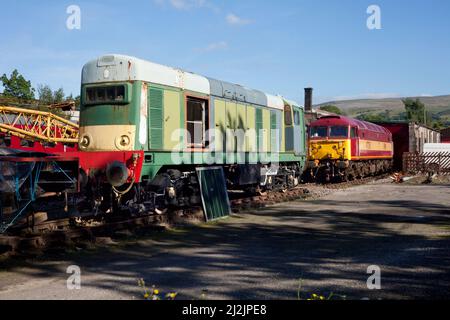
[328, 243]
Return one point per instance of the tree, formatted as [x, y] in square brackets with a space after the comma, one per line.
[372, 117]
[45, 94]
[332, 109]
[58, 96]
[438, 125]
[415, 110]
[16, 86]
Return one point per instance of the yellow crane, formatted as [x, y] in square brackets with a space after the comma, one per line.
[37, 125]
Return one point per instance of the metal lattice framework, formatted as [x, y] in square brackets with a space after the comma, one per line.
[37, 125]
[430, 162]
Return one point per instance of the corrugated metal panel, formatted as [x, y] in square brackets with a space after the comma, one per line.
[156, 117]
[216, 203]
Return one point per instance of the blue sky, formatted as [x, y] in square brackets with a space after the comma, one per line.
[279, 47]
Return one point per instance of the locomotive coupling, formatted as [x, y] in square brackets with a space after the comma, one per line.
[312, 164]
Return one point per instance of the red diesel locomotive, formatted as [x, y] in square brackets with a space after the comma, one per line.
[344, 148]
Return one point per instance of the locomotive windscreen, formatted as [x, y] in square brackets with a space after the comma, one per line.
[106, 94]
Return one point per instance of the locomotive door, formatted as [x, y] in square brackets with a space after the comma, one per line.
[289, 129]
[354, 142]
[298, 132]
[275, 131]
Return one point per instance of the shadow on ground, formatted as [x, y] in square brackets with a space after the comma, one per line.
[263, 255]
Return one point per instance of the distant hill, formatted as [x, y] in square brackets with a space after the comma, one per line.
[439, 105]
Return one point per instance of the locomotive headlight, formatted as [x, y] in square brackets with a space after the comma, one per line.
[85, 141]
[123, 142]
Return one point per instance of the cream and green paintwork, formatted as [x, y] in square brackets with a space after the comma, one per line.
[155, 111]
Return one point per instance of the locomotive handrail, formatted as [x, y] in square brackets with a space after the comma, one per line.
[37, 125]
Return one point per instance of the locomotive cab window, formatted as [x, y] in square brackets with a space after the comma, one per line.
[339, 131]
[319, 132]
[197, 122]
[287, 116]
[353, 133]
[296, 117]
[106, 94]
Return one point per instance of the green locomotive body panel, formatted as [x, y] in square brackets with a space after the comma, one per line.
[157, 116]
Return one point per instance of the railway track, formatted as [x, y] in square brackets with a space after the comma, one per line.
[34, 234]
[357, 182]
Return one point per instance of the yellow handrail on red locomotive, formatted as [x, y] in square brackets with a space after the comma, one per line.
[37, 125]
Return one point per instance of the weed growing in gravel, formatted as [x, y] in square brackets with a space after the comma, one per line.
[154, 293]
[317, 297]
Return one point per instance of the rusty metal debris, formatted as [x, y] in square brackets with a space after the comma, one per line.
[397, 177]
[65, 106]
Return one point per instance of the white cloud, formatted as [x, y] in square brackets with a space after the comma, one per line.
[367, 96]
[221, 45]
[183, 4]
[234, 20]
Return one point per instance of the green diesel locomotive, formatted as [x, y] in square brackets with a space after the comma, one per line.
[145, 129]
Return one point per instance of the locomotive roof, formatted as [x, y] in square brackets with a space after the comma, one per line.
[116, 67]
[342, 120]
